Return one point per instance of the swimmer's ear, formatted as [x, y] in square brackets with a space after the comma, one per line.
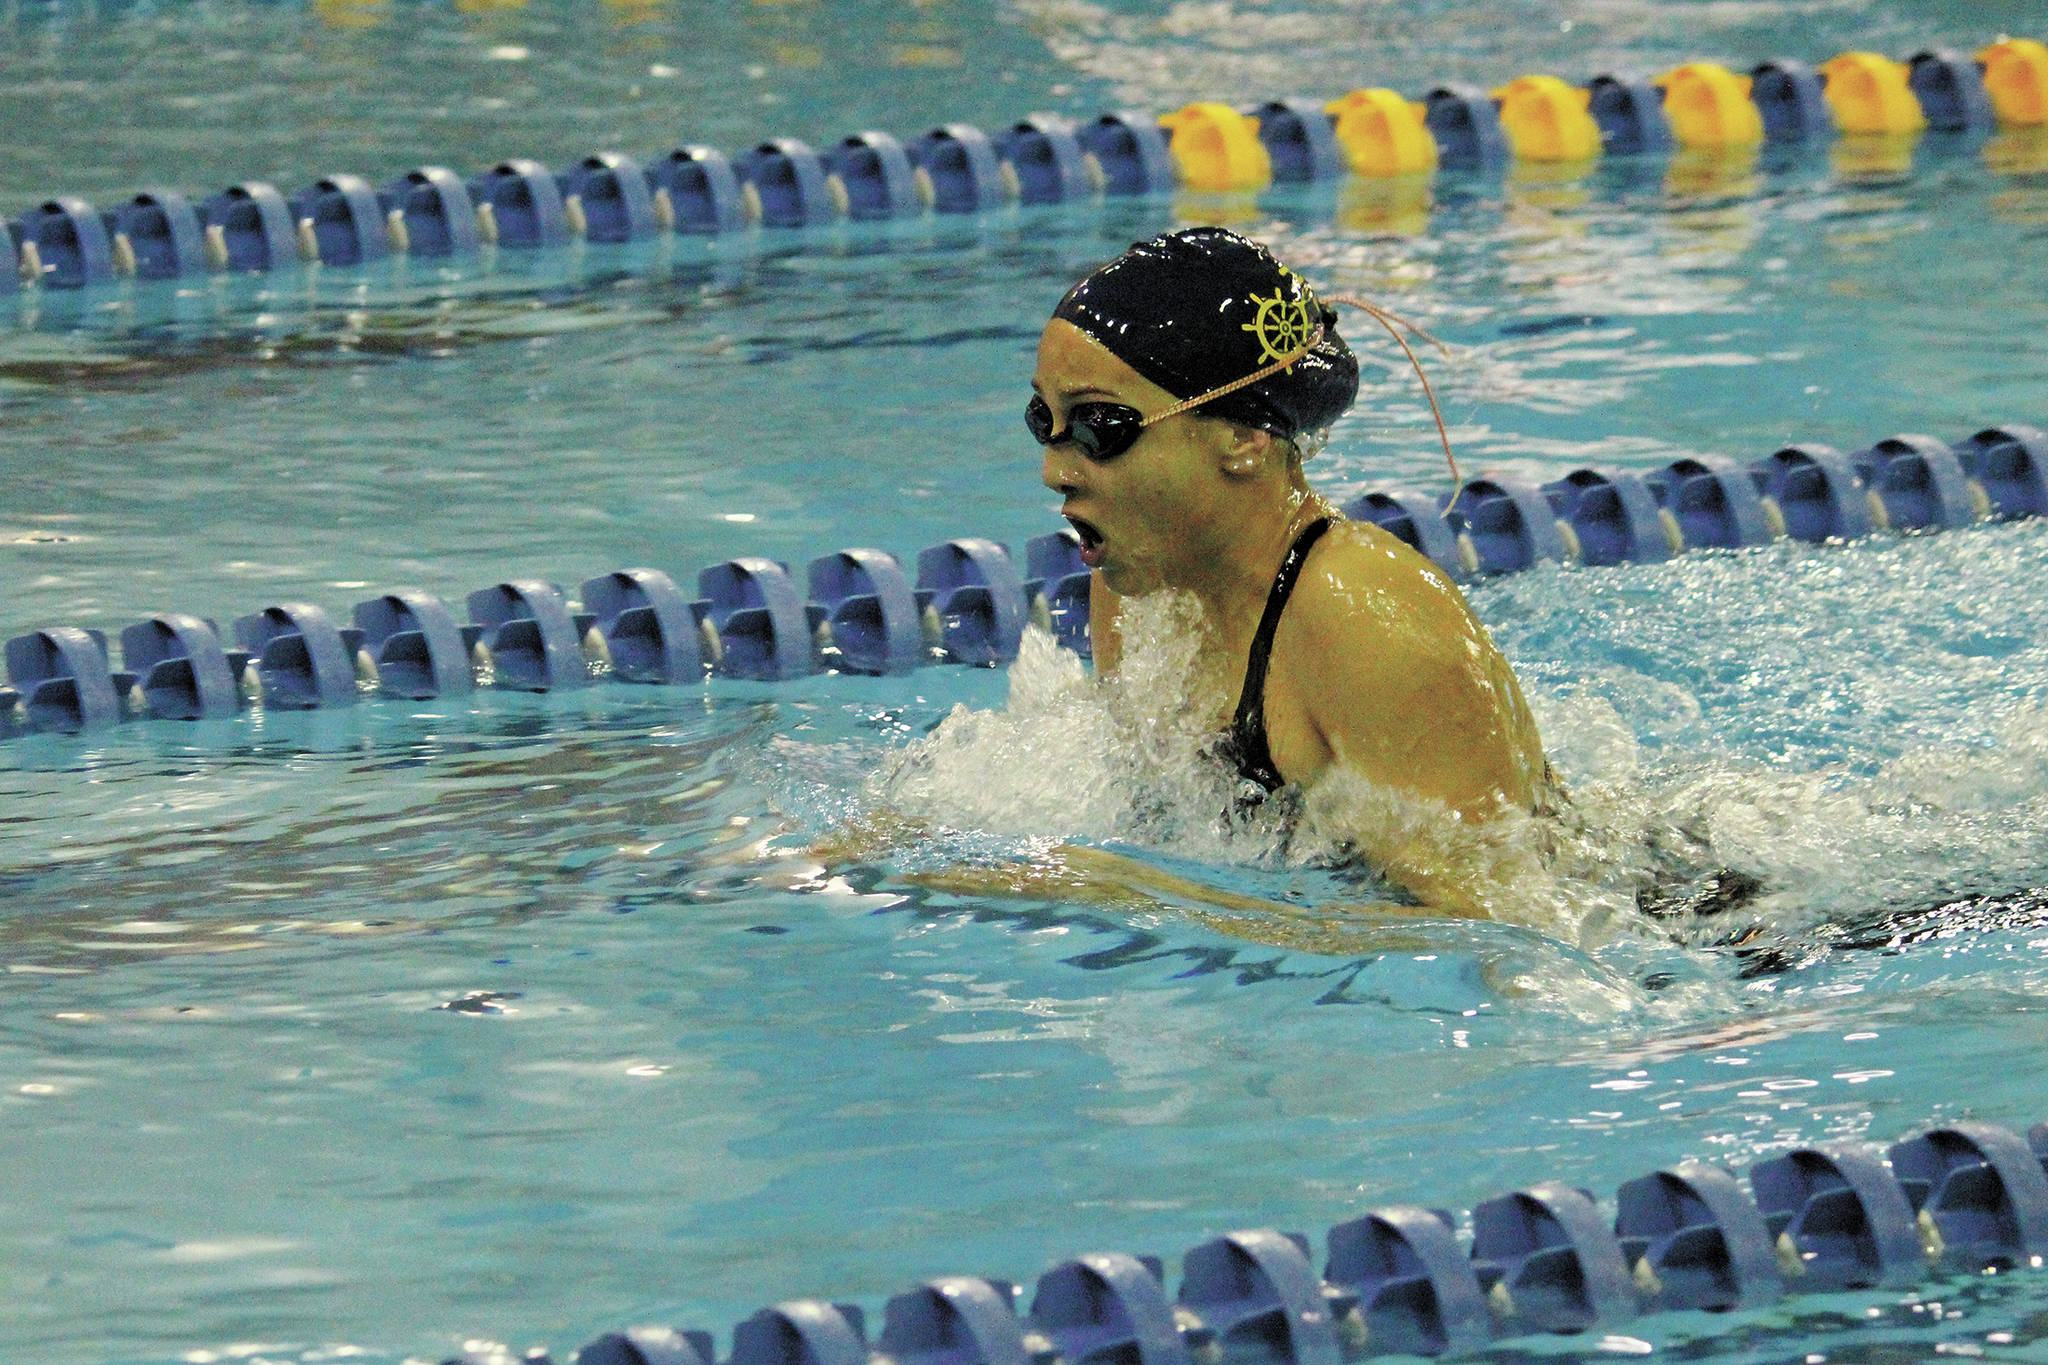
[1248, 450]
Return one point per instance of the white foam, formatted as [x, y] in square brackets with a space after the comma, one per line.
[1689, 716]
[1125, 759]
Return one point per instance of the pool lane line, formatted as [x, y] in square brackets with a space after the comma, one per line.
[861, 610]
[1700, 114]
[1961, 1199]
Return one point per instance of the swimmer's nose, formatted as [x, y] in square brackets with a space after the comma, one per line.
[1059, 471]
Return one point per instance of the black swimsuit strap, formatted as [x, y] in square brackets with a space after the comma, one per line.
[1248, 727]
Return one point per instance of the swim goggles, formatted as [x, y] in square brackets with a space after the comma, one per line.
[1103, 431]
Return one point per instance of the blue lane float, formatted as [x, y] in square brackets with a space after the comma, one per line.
[1300, 140]
[1613, 516]
[1950, 88]
[157, 235]
[64, 244]
[1403, 1279]
[62, 679]
[879, 179]
[1256, 1295]
[1841, 1220]
[1630, 116]
[871, 616]
[761, 621]
[1983, 1190]
[1790, 97]
[1919, 483]
[785, 184]
[180, 668]
[701, 189]
[1131, 152]
[643, 626]
[1696, 1241]
[802, 1332]
[531, 636]
[248, 228]
[431, 212]
[340, 222]
[416, 649]
[974, 598]
[1962, 1199]
[1108, 1306]
[1465, 122]
[954, 1320]
[1048, 161]
[608, 199]
[1714, 502]
[2010, 464]
[1058, 587]
[960, 165]
[1505, 525]
[519, 205]
[861, 611]
[1818, 493]
[300, 659]
[1550, 1261]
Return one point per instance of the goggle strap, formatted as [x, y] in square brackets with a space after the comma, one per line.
[1234, 385]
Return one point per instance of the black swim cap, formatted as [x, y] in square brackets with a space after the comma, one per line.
[1193, 310]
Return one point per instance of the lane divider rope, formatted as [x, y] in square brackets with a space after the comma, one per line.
[431, 213]
[1965, 1198]
[964, 601]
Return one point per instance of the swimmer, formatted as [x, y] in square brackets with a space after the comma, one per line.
[1179, 390]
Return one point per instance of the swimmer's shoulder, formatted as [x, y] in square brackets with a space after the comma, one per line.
[1400, 677]
[1363, 577]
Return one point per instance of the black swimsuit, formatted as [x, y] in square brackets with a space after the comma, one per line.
[1244, 743]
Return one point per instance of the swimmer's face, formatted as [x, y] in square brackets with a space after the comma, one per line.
[1140, 514]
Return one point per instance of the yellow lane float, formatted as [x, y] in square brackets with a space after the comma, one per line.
[1870, 94]
[1710, 106]
[2016, 78]
[1218, 149]
[1383, 134]
[1547, 120]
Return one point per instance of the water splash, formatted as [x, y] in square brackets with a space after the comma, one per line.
[1685, 836]
[1130, 759]
[1086, 757]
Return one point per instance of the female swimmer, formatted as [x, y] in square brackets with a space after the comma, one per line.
[1179, 389]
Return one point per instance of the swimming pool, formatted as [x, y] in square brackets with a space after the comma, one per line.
[353, 1035]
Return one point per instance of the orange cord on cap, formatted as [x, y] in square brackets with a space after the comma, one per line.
[1387, 320]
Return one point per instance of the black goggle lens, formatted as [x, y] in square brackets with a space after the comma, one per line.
[1100, 431]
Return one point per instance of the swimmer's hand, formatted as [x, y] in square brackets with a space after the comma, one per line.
[866, 838]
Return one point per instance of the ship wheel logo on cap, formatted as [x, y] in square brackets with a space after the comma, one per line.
[1282, 325]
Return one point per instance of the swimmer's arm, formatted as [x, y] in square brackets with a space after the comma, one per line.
[1403, 686]
[1075, 873]
[1081, 874]
[1406, 692]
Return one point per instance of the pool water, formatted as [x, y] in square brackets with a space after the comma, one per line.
[353, 1035]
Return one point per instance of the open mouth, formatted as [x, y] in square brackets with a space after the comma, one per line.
[1091, 539]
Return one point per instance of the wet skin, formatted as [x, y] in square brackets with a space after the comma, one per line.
[1378, 665]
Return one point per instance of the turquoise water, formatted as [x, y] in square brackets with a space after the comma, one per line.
[356, 1035]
